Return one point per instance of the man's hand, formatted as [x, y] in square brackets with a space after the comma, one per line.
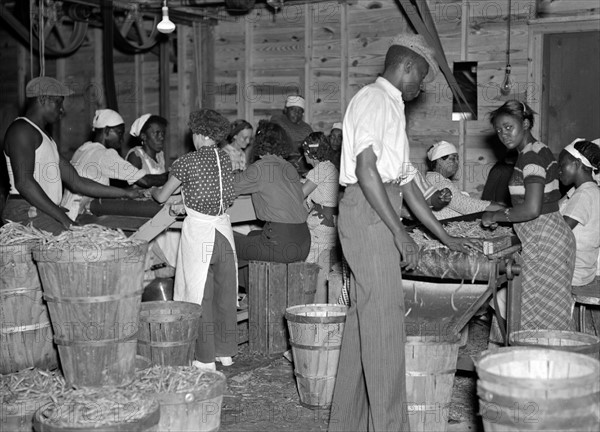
[465, 245]
[441, 199]
[409, 251]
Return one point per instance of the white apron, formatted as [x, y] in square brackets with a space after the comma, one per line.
[195, 251]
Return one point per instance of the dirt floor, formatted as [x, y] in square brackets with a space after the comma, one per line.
[261, 394]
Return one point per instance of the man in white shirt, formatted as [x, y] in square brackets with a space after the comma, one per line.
[370, 390]
[99, 160]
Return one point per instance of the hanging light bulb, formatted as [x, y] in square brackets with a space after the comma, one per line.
[275, 4]
[506, 86]
[166, 25]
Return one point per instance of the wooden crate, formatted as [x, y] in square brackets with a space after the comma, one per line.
[272, 288]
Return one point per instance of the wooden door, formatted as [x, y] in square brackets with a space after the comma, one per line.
[570, 88]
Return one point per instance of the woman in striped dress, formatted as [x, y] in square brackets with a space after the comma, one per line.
[548, 244]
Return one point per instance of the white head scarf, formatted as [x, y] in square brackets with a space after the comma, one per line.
[337, 125]
[297, 101]
[106, 118]
[585, 161]
[441, 149]
[138, 124]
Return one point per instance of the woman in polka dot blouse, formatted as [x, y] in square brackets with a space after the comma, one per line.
[206, 271]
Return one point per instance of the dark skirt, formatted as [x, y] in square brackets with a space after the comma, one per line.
[276, 242]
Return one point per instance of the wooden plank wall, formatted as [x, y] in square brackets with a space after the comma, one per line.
[326, 51]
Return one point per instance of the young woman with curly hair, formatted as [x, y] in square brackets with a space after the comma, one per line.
[206, 265]
[278, 199]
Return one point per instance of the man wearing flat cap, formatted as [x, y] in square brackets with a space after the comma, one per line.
[290, 119]
[99, 160]
[37, 172]
[370, 389]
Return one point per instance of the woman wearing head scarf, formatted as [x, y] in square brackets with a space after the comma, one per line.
[580, 167]
[442, 159]
[148, 132]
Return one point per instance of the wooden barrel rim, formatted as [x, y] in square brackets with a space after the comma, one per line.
[524, 338]
[315, 378]
[165, 318]
[554, 409]
[92, 299]
[522, 354]
[433, 341]
[302, 319]
[158, 344]
[316, 347]
[176, 310]
[49, 254]
[551, 403]
[20, 290]
[435, 373]
[24, 328]
[98, 342]
[214, 391]
[140, 425]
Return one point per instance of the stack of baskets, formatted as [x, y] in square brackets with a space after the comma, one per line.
[77, 297]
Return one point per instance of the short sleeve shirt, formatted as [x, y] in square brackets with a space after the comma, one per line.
[583, 205]
[326, 176]
[536, 164]
[207, 180]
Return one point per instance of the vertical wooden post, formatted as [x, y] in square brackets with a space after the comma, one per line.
[98, 83]
[344, 58]
[246, 92]
[239, 85]
[22, 55]
[185, 94]
[140, 95]
[164, 84]
[207, 43]
[308, 56]
[462, 127]
[60, 76]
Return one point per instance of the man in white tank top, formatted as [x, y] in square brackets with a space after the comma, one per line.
[36, 171]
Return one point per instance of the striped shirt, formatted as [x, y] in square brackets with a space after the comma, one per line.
[536, 164]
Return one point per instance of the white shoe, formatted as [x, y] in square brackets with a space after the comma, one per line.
[204, 366]
[225, 361]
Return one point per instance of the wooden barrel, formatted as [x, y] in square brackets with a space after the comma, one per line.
[430, 367]
[168, 331]
[316, 337]
[23, 393]
[94, 298]
[559, 340]
[198, 409]
[528, 388]
[26, 334]
[107, 409]
[19, 418]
